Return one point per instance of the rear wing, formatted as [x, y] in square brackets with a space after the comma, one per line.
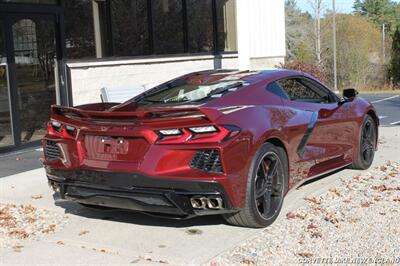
[102, 112]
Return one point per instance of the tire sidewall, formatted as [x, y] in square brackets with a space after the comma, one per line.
[251, 202]
[359, 152]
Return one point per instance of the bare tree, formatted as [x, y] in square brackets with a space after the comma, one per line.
[317, 6]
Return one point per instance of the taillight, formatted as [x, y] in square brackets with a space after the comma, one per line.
[205, 134]
[56, 128]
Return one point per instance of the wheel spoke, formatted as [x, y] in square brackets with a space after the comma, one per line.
[266, 204]
[277, 190]
[272, 169]
[264, 168]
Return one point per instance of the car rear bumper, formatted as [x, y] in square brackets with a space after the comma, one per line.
[137, 192]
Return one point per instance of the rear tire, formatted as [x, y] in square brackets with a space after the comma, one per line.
[366, 144]
[267, 184]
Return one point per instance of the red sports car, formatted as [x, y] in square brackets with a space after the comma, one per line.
[211, 142]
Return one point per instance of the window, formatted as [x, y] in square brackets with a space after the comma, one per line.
[2, 45]
[226, 21]
[79, 28]
[168, 26]
[200, 26]
[192, 89]
[277, 90]
[305, 90]
[31, 1]
[130, 32]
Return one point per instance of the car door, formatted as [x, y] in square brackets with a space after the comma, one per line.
[330, 133]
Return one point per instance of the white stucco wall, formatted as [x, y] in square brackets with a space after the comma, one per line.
[261, 33]
[87, 78]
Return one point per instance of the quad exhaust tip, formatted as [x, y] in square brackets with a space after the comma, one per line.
[211, 202]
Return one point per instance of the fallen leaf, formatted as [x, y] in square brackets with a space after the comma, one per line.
[60, 243]
[18, 233]
[365, 204]
[348, 200]
[290, 215]
[247, 262]
[17, 248]
[305, 254]
[380, 188]
[37, 197]
[194, 232]
[316, 234]
[334, 190]
[312, 226]
[83, 232]
[50, 229]
[313, 200]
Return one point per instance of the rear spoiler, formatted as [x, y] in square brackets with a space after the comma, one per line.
[152, 113]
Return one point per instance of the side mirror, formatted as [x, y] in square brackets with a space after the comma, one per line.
[350, 93]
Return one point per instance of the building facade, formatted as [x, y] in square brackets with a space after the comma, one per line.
[65, 51]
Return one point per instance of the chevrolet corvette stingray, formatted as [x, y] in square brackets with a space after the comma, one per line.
[212, 142]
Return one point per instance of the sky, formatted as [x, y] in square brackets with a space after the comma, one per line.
[342, 6]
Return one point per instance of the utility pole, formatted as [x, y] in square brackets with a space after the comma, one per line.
[383, 43]
[334, 45]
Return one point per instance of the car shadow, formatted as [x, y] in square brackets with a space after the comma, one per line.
[132, 217]
[316, 179]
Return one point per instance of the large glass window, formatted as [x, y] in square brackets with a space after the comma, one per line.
[168, 26]
[6, 137]
[79, 29]
[226, 21]
[31, 1]
[200, 26]
[130, 31]
[142, 27]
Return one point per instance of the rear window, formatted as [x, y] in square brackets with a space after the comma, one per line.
[192, 90]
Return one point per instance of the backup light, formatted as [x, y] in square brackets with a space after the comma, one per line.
[55, 123]
[56, 126]
[208, 129]
[171, 132]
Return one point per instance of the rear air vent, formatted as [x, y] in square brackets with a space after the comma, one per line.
[52, 151]
[207, 161]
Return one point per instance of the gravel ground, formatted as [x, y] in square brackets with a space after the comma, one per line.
[20, 223]
[356, 222]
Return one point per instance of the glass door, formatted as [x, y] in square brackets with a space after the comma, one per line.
[6, 136]
[34, 54]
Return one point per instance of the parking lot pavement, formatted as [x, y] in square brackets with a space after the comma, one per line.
[20, 161]
[387, 106]
[94, 236]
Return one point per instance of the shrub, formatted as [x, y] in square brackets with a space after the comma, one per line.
[311, 69]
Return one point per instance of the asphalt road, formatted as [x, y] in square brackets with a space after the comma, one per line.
[387, 105]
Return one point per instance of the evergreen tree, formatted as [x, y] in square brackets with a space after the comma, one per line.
[395, 62]
[378, 11]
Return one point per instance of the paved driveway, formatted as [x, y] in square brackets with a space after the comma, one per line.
[93, 236]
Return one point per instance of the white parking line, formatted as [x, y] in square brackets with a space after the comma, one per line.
[382, 116]
[386, 99]
[395, 123]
